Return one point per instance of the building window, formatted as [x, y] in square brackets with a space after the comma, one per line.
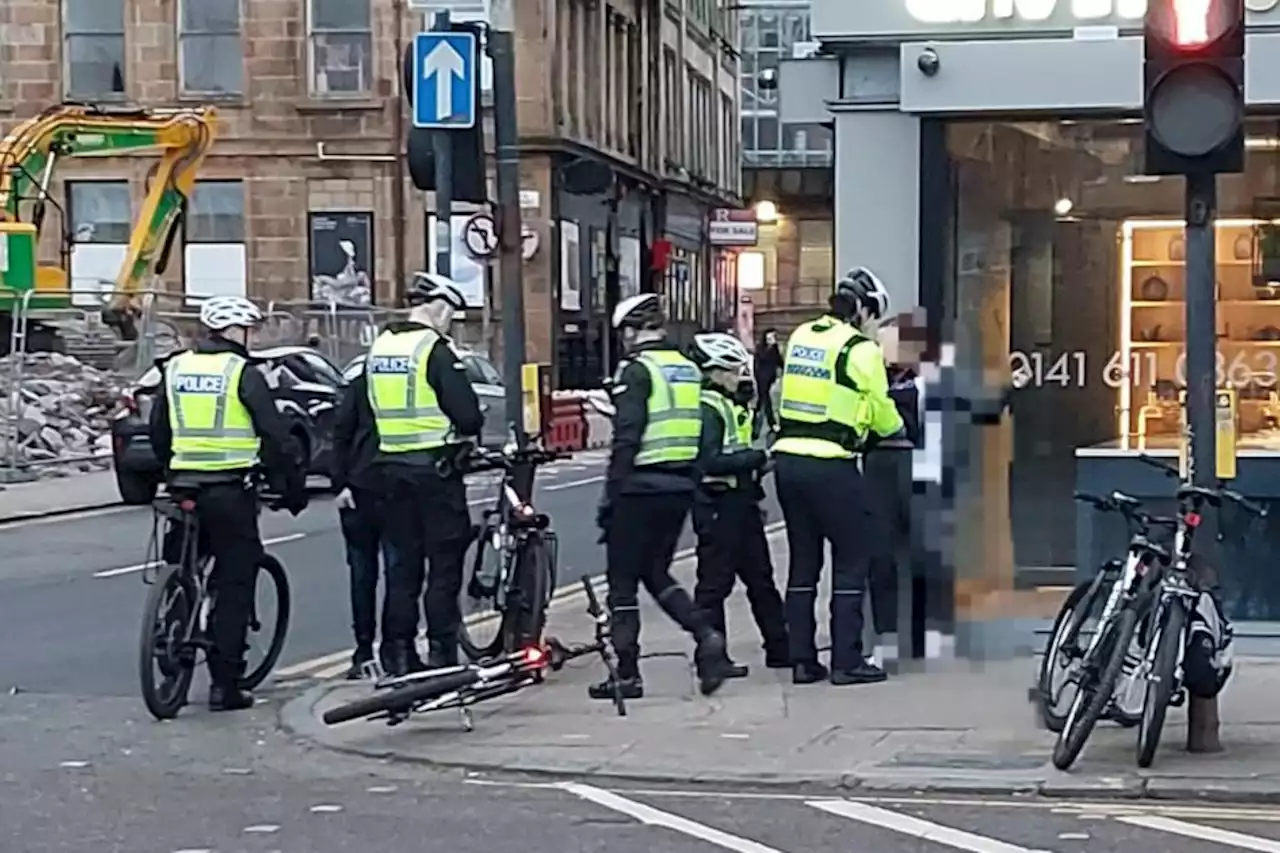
[215, 213]
[99, 211]
[215, 261]
[574, 67]
[341, 36]
[594, 82]
[210, 47]
[670, 96]
[94, 49]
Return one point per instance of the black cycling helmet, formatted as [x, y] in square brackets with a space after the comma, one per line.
[862, 288]
[430, 287]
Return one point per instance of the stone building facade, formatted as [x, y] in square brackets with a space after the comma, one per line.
[312, 123]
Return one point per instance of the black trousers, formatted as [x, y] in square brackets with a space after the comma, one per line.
[641, 542]
[887, 474]
[825, 500]
[362, 532]
[426, 521]
[228, 519]
[732, 546]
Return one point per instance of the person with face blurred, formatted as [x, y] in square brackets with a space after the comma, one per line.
[214, 425]
[415, 392]
[768, 364]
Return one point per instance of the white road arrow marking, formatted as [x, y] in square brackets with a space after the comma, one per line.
[445, 63]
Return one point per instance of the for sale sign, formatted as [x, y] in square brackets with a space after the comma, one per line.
[733, 227]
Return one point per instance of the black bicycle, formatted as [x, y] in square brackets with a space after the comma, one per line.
[175, 621]
[513, 568]
[1177, 593]
[1070, 635]
[460, 687]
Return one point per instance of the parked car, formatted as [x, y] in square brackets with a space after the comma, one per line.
[487, 382]
[306, 387]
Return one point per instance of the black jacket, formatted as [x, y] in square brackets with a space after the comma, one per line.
[457, 399]
[631, 389]
[906, 398]
[768, 365]
[280, 452]
[355, 445]
[714, 462]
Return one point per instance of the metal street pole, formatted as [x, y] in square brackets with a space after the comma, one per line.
[1201, 323]
[443, 143]
[501, 46]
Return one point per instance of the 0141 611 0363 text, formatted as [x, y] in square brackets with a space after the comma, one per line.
[1256, 367]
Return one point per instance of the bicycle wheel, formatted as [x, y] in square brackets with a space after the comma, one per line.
[400, 700]
[273, 570]
[480, 615]
[163, 645]
[1161, 679]
[527, 617]
[1063, 648]
[1093, 699]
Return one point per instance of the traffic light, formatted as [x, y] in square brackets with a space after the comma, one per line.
[1193, 92]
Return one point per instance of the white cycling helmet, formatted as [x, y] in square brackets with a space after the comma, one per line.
[229, 312]
[433, 287]
[644, 310]
[718, 350]
[867, 291]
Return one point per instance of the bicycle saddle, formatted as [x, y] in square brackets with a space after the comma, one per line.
[1120, 499]
[1146, 546]
[1209, 495]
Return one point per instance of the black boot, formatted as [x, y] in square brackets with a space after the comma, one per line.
[362, 656]
[441, 655]
[631, 688]
[712, 662]
[865, 673]
[228, 697]
[777, 657]
[808, 672]
[402, 659]
[736, 670]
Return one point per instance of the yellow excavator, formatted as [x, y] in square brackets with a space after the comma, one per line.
[28, 157]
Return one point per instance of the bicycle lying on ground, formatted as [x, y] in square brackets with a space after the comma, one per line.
[514, 566]
[460, 687]
[1176, 593]
[1068, 639]
[175, 621]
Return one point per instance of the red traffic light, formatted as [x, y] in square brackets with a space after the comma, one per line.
[1190, 25]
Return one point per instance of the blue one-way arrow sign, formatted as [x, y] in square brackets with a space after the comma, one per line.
[444, 91]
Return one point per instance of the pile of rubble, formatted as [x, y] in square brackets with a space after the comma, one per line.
[58, 410]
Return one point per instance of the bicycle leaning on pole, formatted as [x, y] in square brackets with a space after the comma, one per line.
[175, 621]
[1176, 594]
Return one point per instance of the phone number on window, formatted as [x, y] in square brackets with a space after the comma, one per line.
[1141, 370]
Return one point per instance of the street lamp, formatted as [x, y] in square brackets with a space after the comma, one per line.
[766, 212]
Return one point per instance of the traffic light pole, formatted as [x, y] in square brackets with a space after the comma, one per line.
[443, 143]
[1202, 342]
[502, 49]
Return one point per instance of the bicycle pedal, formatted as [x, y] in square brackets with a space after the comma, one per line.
[1177, 700]
[372, 670]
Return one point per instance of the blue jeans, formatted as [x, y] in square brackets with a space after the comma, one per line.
[363, 533]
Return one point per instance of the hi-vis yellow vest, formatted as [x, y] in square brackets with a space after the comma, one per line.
[733, 440]
[404, 404]
[212, 430]
[823, 413]
[675, 414]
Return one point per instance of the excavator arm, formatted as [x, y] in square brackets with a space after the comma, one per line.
[29, 154]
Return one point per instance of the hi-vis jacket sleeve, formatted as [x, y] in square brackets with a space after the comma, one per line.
[866, 367]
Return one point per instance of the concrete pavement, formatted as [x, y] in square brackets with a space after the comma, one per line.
[73, 493]
[953, 728]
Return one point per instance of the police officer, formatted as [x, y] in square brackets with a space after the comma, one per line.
[354, 476]
[213, 423]
[415, 392]
[648, 492]
[834, 397]
[727, 516]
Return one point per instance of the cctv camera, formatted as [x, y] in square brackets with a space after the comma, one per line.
[768, 79]
[928, 62]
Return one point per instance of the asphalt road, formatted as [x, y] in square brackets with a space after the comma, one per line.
[92, 775]
[72, 591]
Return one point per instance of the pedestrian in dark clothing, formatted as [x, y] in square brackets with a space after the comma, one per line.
[768, 366]
[361, 512]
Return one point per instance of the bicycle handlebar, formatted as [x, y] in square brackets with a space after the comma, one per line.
[1126, 508]
[1243, 502]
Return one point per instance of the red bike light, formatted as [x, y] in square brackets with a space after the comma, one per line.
[1193, 519]
[187, 506]
[534, 655]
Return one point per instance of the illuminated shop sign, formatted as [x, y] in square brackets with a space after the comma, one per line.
[1069, 12]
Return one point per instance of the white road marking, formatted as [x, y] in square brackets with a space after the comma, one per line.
[655, 817]
[56, 518]
[128, 570]
[573, 484]
[570, 591]
[1203, 833]
[916, 827]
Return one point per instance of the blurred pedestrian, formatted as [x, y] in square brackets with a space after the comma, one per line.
[768, 366]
